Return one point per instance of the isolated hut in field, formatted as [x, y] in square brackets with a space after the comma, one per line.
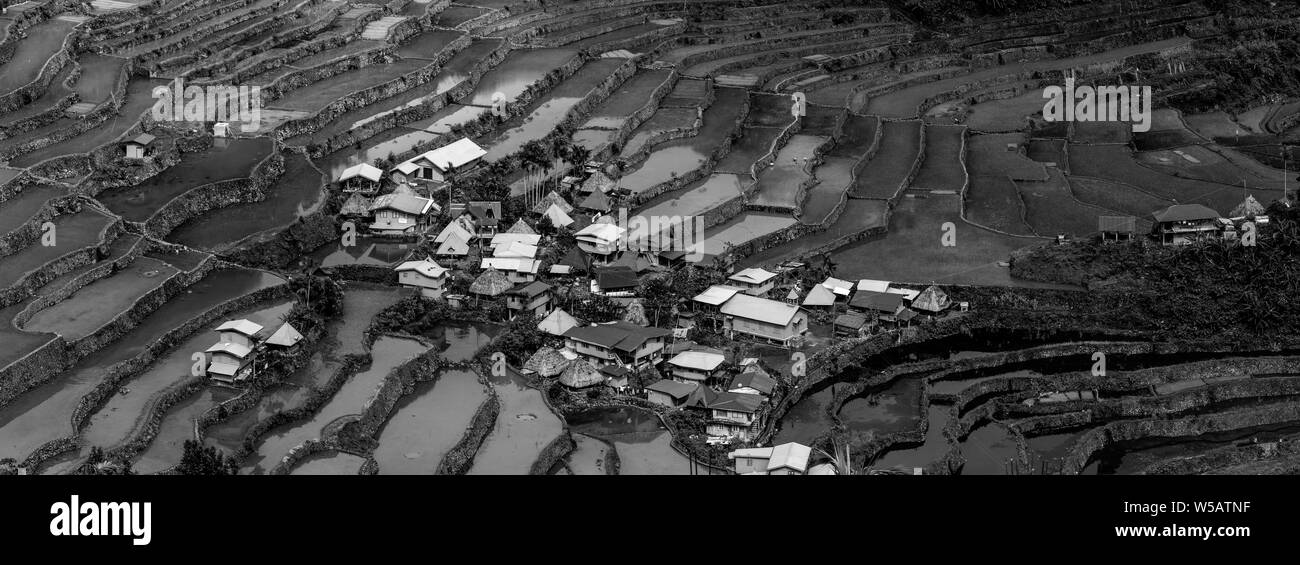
[580, 374]
[931, 301]
[490, 284]
[521, 228]
[546, 362]
[1248, 208]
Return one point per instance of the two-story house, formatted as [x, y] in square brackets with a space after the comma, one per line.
[440, 165]
[516, 269]
[601, 241]
[696, 366]
[530, 298]
[736, 416]
[232, 355]
[620, 343]
[400, 212]
[768, 320]
[712, 299]
[754, 281]
[427, 276]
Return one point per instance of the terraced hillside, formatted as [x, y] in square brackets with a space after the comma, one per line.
[872, 140]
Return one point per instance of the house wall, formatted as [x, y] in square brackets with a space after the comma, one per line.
[589, 350]
[412, 278]
[751, 465]
[393, 220]
[770, 331]
[660, 398]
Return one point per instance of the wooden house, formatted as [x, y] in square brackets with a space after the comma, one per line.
[530, 298]
[619, 342]
[361, 178]
[140, 147]
[768, 320]
[400, 212]
[702, 367]
[736, 416]
[440, 165]
[670, 394]
[754, 281]
[1182, 224]
[427, 276]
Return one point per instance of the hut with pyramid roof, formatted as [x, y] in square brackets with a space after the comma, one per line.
[454, 246]
[546, 362]
[932, 301]
[557, 322]
[580, 374]
[552, 199]
[559, 218]
[356, 206]
[491, 283]
[819, 297]
[1248, 208]
[521, 228]
[598, 182]
[597, 202]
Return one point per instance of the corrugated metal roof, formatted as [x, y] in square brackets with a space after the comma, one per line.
[761, 309]
[246, 327]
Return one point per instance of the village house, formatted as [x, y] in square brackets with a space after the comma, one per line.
[427, 276]
[669, 393]
[140, 147]
[620, 342]
[755, 282]
[696, 366]
[232, 355]
[838, 287]
[557, 322]
[490, 284]
[356, 207]
[400, 212]
[785, 459]
[486, 217]
[285, 339]
[531, 298]
[600, 241]
[768, 320]
[516, 269]
[1116, 228]
[754, 380]
[877, 305]
[505, 240]
[735, 416]
[362, 178]
[932, 301]
[440, 165]
[547, 362]
[712, 299]
[616, 377]
[1182, 224]
[852, 325]
[615, 281]
[454, 246]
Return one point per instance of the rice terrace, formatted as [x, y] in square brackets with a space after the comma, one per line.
[391, 237]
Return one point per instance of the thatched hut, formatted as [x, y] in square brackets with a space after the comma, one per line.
[932, 300]
[547, 362]
[580, 374]
[521, 227]
[491, 283]
[1248, 208]
[552, 199]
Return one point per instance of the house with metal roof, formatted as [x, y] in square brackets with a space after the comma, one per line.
[139, 146]
[754, 281]
[785, 459]
[439, 165]
[600, 240]
[736, 416]
[670, 394]
[400, 212]
[819, 297]
[516, 269]
[529, 298]
[361, 178]
[767, 320]
[755, 381]
[712, 299]
[696, 366]
[619, 342]
[1182, 224]
[876, 304]
[427, 276]
[615, 281]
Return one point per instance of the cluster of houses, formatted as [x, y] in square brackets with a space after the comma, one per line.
[242, 344]
[1182, 224]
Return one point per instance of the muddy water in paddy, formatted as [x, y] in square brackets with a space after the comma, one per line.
[524, 427]
[643, 445]
[329, 464]
[293, 195]
[988, 450]
[177, 428]
[367, 251]
[520, 68]
[587, 457]
[894, 409]
[1134, 457]
[227, 160]
[427, 423]
[955, 386]
[138, 101]
[934, 448]
[115, 421]
[42, 414]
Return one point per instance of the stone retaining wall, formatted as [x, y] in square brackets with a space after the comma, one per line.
[31, 281]
[16, 98]
[195, 202]
[553, 453]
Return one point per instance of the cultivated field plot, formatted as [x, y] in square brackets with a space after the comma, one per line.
[1164, 139]
[1202, 163]
[1215, 125]
[1048, 151]
[54, 93]
[770, 110]
[858, 137]
[887, 171]
[1051, 208]
[43, 413]
[177, 427]
[427, 423]
[687, 93]
[354, 47]
[453, 16]
[551, 109]
[778, 185]
[236, 160]
[633, 95]
[834, 179]
[663, 120]
[99, 75]
[1010, 114]
[593, 139]
[677, 157]
[99, 302]
[1120, 198]
[520, 68]
[329, 464]
[754, 144]
[1101, 132]
[625, 34]
[524, 427]
[42, 41]
[743, 228]
[999, 155]
[913, 251]
[138, 100]
[903, 103]
[821, 120]
[316, 96]
[22, 206]
[992, 199]
[942, 168]
[696, 199]
[1114, 162]
[72, 232]
[292, 196]
[428, 44]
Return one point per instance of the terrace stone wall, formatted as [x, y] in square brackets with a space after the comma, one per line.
[460, 457]
[303, 78]
[396, 385]
[31, 91]
[33, 280]
[50, 115]
[192, 22]
[28, 233]
[702, 171]
[99, 271]
[213, 196]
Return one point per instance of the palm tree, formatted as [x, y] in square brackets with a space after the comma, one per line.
[841, 459]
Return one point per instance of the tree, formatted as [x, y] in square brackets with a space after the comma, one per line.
[658, 294]
[98, 463]
[635, 314]
[206, 461]
[597, 308]
[520, 339]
